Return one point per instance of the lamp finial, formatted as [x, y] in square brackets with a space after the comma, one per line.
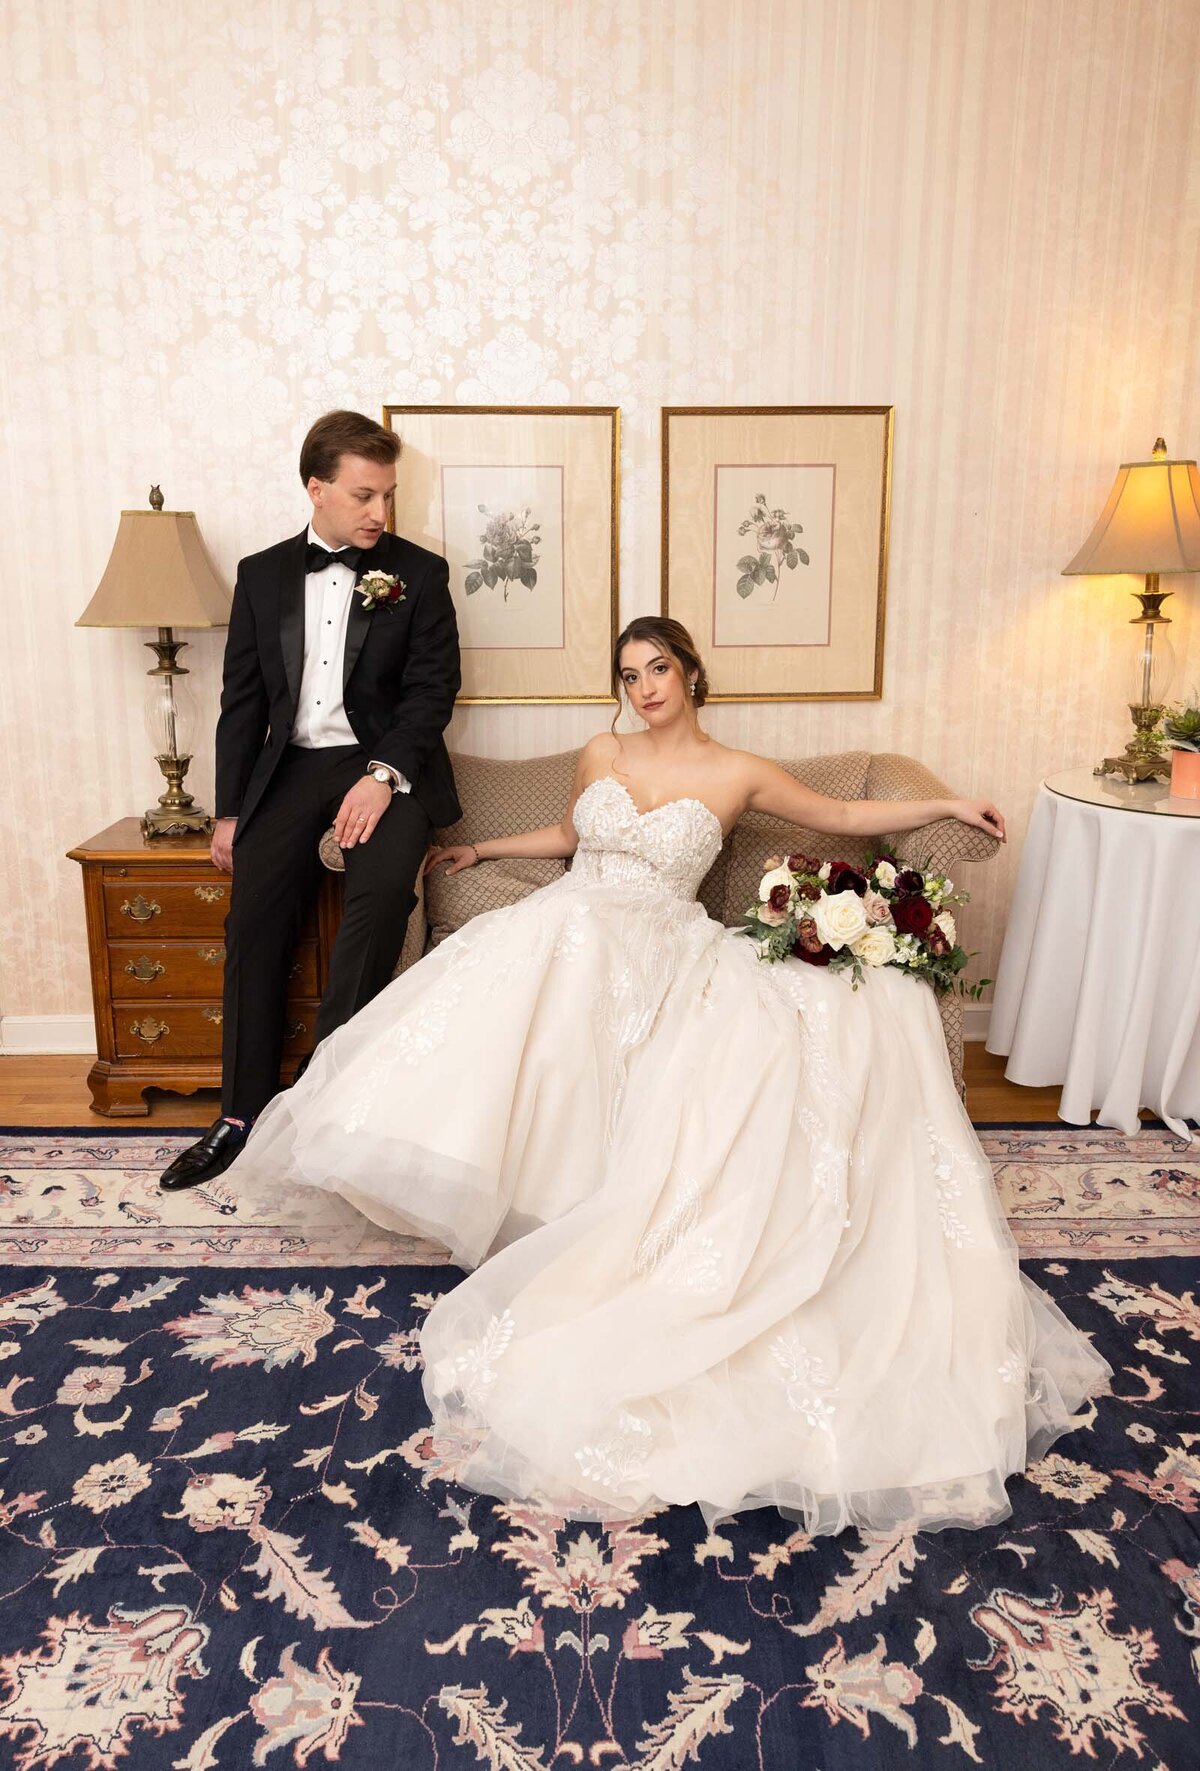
[156, 497]
[1160, 449]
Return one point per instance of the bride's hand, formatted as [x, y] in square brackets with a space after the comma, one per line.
[462, 855]
[981, 813]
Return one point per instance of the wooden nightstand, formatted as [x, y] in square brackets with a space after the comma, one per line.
[156, 923]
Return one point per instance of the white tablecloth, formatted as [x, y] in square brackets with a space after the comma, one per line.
[1099, 979]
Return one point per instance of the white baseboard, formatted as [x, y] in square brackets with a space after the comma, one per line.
[42, 1034]
[976, 1018]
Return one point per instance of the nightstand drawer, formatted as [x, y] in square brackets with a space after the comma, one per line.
[166, 908]
[193, 1029]
[146, 970]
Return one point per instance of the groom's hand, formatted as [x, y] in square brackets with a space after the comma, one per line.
[221, 848]
[361, 811]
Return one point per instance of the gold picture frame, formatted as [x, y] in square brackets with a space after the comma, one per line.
[523, 503]
[804, 492]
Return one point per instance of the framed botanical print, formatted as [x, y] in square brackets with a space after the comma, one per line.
[774, 546]
[522, 501]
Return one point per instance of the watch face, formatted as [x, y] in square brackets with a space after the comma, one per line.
[381, 774]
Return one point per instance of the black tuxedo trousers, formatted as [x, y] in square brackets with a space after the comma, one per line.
[276, 871]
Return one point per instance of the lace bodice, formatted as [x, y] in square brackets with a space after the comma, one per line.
[668, 849]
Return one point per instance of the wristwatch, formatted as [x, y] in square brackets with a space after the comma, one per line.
[384, 776]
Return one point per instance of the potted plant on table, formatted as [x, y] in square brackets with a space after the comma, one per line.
[1181, 734]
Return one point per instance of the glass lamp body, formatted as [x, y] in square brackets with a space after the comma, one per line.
[172, 714]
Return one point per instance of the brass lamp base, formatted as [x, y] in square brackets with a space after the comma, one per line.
[1143, 759]
[176, 812]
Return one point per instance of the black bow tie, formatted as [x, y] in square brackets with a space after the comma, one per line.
[316, 557]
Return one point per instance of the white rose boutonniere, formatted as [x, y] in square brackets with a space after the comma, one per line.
[380, 590]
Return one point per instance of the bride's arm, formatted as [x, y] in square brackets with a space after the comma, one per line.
[554, 842]
[772, 790]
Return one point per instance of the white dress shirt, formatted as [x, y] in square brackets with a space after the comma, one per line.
[320, 710]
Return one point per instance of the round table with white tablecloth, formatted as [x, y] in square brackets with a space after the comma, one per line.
[1099, 979]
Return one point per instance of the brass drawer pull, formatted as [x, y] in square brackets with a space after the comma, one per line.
[210, 894]
[210, 955]
[149, 1030]
[141, 910]
[212, 1014]
[145, 969]
[296, 1029]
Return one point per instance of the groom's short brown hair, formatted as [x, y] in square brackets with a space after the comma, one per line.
[344, 433]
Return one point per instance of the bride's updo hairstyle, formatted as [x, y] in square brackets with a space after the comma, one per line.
[671, 638]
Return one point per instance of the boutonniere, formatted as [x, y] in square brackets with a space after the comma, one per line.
[380, 590]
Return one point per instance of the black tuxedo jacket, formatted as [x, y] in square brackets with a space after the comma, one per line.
[400, 674]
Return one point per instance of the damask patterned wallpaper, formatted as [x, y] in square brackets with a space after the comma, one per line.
[222, 219]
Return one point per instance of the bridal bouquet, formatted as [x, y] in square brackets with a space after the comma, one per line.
[855, 919]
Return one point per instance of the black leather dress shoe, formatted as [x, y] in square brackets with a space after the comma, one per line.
[206, 1160]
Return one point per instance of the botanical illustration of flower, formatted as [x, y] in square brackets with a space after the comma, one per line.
[775, 537]
[508, 547]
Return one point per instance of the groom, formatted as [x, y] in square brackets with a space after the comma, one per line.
[334, 703]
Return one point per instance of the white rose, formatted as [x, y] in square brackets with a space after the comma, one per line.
[777, 876]
[824, 870]
[876, 947]
[840, 919]
[885, 873]
[945, 922]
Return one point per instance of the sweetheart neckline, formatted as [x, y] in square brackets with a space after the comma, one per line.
[686, 799]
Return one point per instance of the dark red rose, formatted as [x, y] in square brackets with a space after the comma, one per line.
[909, 883]
[844, 878]
[808, 945]
[938, 944]
[822, 956]
[803, 864]
[809, 890]
[779, 897]
[912, 915]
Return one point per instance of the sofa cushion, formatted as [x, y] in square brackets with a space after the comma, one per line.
[499, 797]
[756, 835]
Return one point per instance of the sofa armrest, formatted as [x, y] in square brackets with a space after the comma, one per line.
[942, 844]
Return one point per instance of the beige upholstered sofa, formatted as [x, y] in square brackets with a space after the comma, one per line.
[500, 798]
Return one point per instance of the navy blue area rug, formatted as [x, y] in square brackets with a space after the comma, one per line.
[229, 1540]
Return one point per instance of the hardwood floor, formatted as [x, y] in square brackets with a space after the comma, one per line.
[53, 1091]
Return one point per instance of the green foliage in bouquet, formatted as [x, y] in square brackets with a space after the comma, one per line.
[858, 920]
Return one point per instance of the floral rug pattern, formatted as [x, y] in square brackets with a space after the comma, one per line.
[229, 1539]
[91, 1198]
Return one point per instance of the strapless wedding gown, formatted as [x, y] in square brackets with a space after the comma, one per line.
[735, 1239]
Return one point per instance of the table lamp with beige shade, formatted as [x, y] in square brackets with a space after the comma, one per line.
[160, 575]
[1150, 524]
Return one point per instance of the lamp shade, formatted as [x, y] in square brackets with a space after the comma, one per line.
[1151, 521]
[158, 575]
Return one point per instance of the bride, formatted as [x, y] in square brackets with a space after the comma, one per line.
[734, 1239]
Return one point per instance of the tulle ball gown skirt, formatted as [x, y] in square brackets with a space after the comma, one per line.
[733, 1238]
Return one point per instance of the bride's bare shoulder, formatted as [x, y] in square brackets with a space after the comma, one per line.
[735, 765]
